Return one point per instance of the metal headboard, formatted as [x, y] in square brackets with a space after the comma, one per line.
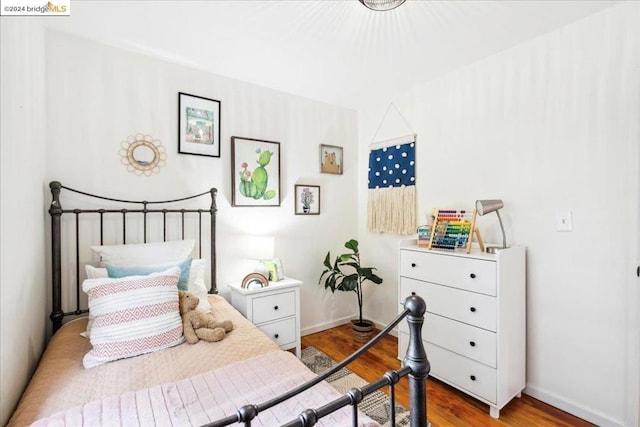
[138, 207]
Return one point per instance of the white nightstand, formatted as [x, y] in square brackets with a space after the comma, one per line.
[274, 309]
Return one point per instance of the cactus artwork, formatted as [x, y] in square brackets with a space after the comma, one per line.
[254, 184]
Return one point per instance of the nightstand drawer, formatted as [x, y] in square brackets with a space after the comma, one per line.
[282, 332]
[468, 307]
[273, 307]
[465, 273]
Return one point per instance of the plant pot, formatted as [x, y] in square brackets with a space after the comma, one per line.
[363, 332]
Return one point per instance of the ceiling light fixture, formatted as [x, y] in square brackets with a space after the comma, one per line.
[382, 4]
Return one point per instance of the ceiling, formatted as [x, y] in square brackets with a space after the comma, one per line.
[330, 50]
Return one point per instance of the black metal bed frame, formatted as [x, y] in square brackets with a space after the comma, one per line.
[415, 364]
[140, 207]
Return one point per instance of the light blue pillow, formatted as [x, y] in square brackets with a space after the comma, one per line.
[115, 271]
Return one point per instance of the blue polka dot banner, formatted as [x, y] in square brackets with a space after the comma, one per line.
[392, 181]
[392, 166]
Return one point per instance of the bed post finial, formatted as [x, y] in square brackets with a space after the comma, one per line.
[55, 210]
[416, 359]
[214, 209]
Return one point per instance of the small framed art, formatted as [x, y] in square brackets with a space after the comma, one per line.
[255, 172]
[307, 199]
[330, 159]
[198, 125]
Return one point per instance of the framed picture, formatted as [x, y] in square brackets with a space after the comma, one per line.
[330, 159]
[198, 125]
[255, 172]
[307, 199]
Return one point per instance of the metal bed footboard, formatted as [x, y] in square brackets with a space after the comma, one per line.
[415, 365]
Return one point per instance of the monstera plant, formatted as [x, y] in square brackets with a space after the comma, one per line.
[346, 274]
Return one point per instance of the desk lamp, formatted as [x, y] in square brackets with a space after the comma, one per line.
[488, 206]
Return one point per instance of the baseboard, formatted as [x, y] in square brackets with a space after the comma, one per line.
[324, 326]
[339, 322]
[572, 407]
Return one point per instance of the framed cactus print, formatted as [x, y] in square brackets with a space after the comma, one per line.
[255, 172]
[307, 199]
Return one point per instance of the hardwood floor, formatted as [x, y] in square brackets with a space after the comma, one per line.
[446, 406]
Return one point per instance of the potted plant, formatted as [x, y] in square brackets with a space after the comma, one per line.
[306, 198]
[346, 274]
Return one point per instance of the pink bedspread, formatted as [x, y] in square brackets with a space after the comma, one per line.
[61, 382]
[213, 395]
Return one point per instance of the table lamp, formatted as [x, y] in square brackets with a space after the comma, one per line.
[260, 248]
[488, 206]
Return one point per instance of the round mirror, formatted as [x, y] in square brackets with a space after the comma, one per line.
[143, 155]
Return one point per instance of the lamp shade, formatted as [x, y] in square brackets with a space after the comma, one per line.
[488, 206]
[260, 248]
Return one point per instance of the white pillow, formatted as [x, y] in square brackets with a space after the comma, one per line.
[133, 315]
[144, 253]
[197, 285]
[95, 272]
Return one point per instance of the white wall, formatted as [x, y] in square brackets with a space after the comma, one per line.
[99, 95]
[96, 96]
[22, 244]
[550, 124]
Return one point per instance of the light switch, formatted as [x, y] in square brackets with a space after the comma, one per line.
[563, 221]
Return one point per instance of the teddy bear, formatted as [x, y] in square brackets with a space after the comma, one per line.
[200, 326]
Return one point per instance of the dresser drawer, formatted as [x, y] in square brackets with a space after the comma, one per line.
[460, 372]
[466, 340]
[471, 274]
[467, 307]
[273, 307]
[469, 341]
[282, 332]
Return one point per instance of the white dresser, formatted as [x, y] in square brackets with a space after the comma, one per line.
[475, 326]
[274, 309]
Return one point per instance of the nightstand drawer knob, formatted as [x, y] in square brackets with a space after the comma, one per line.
[275, 308]
[472, 309]
[473, 377]
[472, 275]
[413, 264]
[472, 343]
[276, 336]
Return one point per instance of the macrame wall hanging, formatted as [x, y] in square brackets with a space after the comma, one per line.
[391, 206]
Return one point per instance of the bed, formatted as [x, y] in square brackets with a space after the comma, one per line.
[78, 382]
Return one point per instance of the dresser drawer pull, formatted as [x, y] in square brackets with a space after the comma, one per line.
[472, 275]
[472, 343]
[275, 308]
[472, 309]
[473, 377]
[276, 336]
[413, 264]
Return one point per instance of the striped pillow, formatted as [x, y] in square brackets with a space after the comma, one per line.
[133, 315]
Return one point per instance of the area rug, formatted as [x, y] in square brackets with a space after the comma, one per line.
[376, 405]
